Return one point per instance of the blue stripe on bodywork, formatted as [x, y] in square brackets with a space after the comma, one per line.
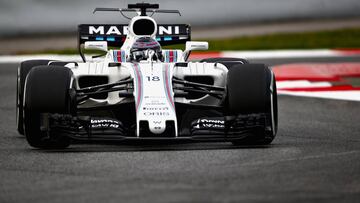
[123, 58]
[175, 56]
[114, 56]
[167, 57]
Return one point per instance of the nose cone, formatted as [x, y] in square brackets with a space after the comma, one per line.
[157, 127]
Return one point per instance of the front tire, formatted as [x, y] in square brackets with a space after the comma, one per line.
[47, 91]
[251, 88]
[22, 72]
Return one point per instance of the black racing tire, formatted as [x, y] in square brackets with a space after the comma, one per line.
[229, 63]
[47, 90]
[224, 59]
[22, 72]
[251, 88]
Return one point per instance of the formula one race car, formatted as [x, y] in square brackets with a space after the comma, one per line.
[143, 92]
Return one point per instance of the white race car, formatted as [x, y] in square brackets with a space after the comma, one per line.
[140, 91]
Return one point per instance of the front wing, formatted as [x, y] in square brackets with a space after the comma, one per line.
[198, 125]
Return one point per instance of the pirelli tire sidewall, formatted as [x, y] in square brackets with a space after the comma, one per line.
[251, 89]
[47, 91]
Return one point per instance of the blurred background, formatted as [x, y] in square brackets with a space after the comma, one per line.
[45, 20]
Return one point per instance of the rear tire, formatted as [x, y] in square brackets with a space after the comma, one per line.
[224, 59]
[251, 88]
[228, 62]
[22, 72]
[47, 90]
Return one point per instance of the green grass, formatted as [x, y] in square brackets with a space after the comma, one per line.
[345, 38]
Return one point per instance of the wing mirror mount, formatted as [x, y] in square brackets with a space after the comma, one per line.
[96, 45]
[194, 46]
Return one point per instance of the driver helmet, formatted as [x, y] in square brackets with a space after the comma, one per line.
[142, 47]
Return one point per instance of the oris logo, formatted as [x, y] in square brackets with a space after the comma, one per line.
[156, 113]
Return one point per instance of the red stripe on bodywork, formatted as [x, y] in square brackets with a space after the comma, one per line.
[118, 56]
[171, 56]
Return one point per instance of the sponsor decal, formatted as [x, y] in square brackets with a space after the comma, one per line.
[155, 108]
[104, 123]
[123, 30]
[108, 30]
[168, 30]
[209, 123]
[154, 103]
[154, 97]
[159, 113]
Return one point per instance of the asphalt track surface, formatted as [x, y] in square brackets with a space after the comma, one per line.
[314, 158]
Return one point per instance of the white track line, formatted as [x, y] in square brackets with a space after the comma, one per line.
[301, 84]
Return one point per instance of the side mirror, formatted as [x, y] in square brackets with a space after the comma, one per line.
[193, 45]
[96, 45]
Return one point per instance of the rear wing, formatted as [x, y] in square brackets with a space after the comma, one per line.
[115, 34]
